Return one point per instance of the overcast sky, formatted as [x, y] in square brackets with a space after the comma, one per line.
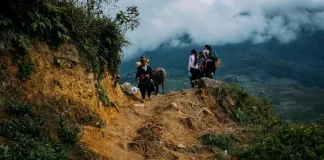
[219, 22]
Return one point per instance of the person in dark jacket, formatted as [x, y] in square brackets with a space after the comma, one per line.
[210, 62]
[201, 64]
[144, 79]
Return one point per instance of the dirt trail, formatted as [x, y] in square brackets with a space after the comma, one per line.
[164, 128]
[112, 141]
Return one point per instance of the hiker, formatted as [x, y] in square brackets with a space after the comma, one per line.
[193, 71]
[144, 79]
[210, 62]
[201, 64]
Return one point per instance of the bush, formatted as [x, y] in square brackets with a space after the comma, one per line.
[221, 141]
[18, 110]
[103, 95]
[240, 115]
[69, 135]
[100, 38]
[37, 132]
[289, 142]
[26, 68]
[251, 109]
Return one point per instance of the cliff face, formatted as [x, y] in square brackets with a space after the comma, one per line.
[60, 76]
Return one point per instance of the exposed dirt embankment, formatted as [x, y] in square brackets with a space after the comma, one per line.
[61, 76]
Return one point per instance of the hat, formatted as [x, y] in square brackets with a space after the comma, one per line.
[143, 59]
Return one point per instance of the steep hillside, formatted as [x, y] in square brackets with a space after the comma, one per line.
[58, 72]
[59, 112]
[62, 82]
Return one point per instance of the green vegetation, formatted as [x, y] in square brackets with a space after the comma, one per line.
[269, 138]
[26, 68]
[103, 95]
[223, 142]
[98, 36]
[31, 131]
[288, 142]
[251, 109]
[57, 83]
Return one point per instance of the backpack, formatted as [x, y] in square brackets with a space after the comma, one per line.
[217, 63]
[137, 64]
[216, 59]
[214, 56]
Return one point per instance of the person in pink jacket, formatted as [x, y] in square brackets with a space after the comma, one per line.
[193, 71]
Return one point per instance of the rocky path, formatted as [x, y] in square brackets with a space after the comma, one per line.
[112, 140]
[167, 127]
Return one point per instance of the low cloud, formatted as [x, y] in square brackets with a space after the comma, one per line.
[220, 22]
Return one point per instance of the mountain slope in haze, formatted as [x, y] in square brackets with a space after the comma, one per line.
[291, 74]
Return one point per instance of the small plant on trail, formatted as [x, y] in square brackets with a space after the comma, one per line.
[221, 141]
[57, 83]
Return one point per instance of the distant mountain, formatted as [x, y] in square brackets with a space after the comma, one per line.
[272, 69]
[301, 60]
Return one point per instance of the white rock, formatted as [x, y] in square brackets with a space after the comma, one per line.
[129, 89]
[138, 105]
[181, 146]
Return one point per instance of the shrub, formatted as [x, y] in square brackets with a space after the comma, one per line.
[37, 132]
[251, 109]
[57, 83]
[240, 115]
[103, 95]
[26, 68]
[220, 141]
[98, 36]
[289, 142]
[69, 134]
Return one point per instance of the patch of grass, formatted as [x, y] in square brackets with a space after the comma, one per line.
[26, 68]
[103, 95]
[195, 149]
[33, 131]
[221, 141]
[218, 156]
[321, 120]
[240, 115]
[288, 142]
[268, 136]
[57, 83]
[251, 109]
